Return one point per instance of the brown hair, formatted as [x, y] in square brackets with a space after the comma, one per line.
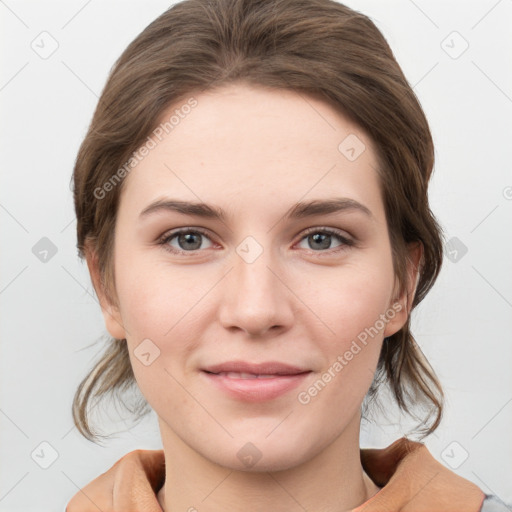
[319, 48]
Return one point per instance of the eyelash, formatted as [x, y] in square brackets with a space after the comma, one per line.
[346, 242]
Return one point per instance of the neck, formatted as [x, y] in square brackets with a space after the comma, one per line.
[333, 480]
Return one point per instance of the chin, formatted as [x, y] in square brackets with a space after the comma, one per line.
[262, 455]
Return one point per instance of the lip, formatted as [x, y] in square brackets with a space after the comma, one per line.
[285, 378]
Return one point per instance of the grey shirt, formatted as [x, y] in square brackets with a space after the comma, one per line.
[492, 503]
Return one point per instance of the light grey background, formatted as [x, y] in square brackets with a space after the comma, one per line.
[49, 313]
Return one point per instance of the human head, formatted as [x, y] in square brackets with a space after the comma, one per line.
[318, 48]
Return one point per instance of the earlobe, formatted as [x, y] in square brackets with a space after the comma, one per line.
[402, 304]
[111, 314]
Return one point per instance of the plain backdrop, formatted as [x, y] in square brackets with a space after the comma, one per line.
[55, 60]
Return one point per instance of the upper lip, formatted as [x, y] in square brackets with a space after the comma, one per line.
[265, 368]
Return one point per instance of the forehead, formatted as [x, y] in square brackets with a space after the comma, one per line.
[249, 145]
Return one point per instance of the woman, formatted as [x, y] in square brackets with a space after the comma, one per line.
[281, 140]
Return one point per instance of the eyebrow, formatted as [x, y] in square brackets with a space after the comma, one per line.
[298, 211]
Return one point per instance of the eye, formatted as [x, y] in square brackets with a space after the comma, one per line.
[191, 240]
[319, 239]
[187, 240]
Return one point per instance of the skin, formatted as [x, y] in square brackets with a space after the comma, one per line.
[255, 153]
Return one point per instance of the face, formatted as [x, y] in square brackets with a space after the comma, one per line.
[310, 288]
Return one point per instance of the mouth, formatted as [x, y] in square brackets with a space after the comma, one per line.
[273, 368]
[251, 382]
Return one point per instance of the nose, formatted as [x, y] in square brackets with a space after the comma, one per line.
[256, 298]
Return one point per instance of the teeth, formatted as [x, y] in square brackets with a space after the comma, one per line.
[243, 375]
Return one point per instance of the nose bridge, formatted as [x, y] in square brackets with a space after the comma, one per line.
[255, 300]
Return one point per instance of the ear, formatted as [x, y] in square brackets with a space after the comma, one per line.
[402, 304]
[111, 314]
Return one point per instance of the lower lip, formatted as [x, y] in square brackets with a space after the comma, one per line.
[256, 390]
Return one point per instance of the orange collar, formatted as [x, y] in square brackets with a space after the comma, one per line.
[412, 480]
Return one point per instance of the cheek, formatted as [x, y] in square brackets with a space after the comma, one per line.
[357, 310]
[357, 296]
[351, 353]
[158, 311]
[154, 296]
[165, 306]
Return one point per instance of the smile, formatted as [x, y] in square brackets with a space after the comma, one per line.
[250, 387]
